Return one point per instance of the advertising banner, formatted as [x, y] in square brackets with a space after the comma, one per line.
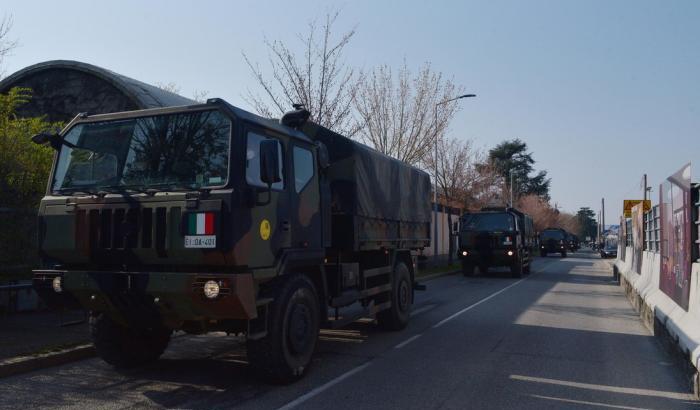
[637, 237]
[627, 205]
[676, 245]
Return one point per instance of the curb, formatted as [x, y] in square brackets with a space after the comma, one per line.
[24, 364]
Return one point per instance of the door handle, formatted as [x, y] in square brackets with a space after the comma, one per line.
[286, 226]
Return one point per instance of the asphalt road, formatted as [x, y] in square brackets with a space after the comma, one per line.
[563, 337]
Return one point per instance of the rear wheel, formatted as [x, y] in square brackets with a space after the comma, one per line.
[123, 347]
[396, 317]
[563, 254]
[543, 254]
[284, 354]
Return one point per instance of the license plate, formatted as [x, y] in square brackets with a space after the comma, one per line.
[200, 241]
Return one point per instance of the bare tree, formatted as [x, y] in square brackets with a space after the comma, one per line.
[397, 112]
[460, 177]
[318, 78]
[6, 44]
[170, 87]
[200, 96]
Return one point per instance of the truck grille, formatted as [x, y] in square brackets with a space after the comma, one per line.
[125, 228]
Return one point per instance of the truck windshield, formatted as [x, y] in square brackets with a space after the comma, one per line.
[488, 222]
[553, 234]
[173, 151]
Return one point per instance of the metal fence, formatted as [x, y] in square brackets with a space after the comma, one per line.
[628, 232]
[695, 237]
[652, 230]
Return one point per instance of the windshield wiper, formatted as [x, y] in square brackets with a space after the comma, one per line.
[71, 191]
[118, 189]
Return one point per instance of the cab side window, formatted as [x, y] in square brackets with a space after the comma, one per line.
[303, 167]
[252, 163]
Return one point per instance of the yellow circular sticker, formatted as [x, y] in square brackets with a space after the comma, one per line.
[265, 229]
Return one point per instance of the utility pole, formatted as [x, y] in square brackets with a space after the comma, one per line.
[511, 187]
[602, 215]
[645, 187]
[435, 187]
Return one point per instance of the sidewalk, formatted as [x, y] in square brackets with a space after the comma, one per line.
[40, 332]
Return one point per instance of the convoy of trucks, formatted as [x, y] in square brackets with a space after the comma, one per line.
[209, 218]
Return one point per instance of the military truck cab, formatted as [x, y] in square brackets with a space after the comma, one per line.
[495, 237]
[553, 240]
[210, 218]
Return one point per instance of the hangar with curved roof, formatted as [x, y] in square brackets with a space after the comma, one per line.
[63, 88]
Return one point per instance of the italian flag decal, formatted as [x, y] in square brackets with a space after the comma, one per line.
[200, 223]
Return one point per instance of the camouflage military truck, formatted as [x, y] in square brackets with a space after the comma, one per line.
[496, 237]
[210, 218]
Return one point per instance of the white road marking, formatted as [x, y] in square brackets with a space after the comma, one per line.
[315, 392]
[606, 388]
[443, 321]
[589, 403]
[407, 341]
[422, 309]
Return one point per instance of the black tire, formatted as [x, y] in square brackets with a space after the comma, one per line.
[123, 347]
[526, 269]
[563, 254]
[284, 354]
[483, 269]
[516, 269]
[543, 254]
[467, 268]
[397, 316]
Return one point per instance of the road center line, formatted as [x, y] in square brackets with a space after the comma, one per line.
[447, 319]
[320, 389]
[407, 341]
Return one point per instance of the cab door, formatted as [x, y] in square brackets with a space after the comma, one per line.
[269, 229]
[305, 199]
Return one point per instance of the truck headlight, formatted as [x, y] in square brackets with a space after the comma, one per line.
[56, 284]
[211, 289]
[465, 253]
[510, 253]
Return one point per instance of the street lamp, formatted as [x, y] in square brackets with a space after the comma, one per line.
[435, 204]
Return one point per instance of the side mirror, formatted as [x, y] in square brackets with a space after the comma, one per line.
[324, 159]
[44, 138]
[270, 161]
[455, 228]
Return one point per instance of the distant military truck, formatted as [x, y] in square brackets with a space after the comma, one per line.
[572, 242]
[496, 237]
[210, 218]
[553, 240]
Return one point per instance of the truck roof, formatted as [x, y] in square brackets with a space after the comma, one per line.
[211, 103]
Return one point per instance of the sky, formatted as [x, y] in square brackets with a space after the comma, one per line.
[601, 91]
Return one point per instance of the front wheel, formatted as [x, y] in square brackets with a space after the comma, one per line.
[396, 317]
[284, 354]
[467, 268]
[563, 254]
[516, 270]
[124, 347]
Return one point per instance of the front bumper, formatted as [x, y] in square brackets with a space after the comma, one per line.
[496, 257]
[173, 297]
